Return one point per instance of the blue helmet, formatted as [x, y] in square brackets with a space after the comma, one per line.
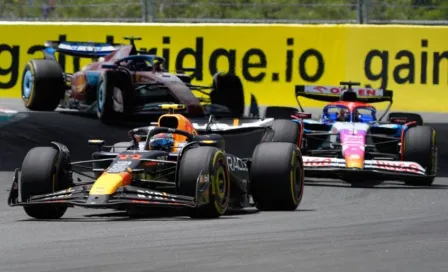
[162, 141]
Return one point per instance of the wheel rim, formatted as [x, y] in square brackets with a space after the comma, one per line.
[296, 176]
[299, 182]
[118, 100]
[294, 183]
[27, 85]
[221, 186]
[101, 98]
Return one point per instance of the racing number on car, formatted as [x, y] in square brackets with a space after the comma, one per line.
[132, 157]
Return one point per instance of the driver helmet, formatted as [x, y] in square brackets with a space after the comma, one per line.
[158, 66]
[357, 117]
[344, 115]
[140, 65]
[162, 142]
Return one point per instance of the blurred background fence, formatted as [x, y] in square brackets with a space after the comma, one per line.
[428, 12]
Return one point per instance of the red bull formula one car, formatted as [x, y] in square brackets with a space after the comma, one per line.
[349, 142]
[165, 165]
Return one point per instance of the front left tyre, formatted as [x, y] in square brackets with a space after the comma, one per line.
[420, 146]
[205, 162]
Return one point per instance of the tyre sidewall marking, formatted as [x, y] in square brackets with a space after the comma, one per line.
[219, 202]
[101, 96]
[293, 178]
[434, 153]
[30, 97]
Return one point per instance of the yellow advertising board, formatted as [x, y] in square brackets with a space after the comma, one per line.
[271, 59]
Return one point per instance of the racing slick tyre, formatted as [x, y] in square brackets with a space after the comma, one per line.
[280, 112]
[410, 117]
[420, 146]
[277, 177]
[41, 174]
[228, 91]
[114, 98]
[285, 131]
[43, 85]
[201, 163]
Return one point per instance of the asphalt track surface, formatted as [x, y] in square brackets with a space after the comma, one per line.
[337, 228]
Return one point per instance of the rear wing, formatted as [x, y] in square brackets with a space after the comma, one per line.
[80, 49]
[333, 93]
[344, 92]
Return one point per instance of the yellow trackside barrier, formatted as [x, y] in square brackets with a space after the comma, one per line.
[271, 59]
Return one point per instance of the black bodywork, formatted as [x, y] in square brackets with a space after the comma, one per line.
[154, 176]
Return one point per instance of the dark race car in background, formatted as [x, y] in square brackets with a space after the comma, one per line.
[122, 82]
[349, 142]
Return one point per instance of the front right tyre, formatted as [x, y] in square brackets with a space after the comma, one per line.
[40, 175]
[114, 97]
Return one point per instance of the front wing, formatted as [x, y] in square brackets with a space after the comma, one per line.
[326, 166]
[124, 196]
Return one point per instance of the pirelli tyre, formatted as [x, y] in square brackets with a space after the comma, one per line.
[277, 176]
[41, 174]
[114, 97]
[43, 85]
[410, 117]
[283, 130]
[228, 91]
[420, 146]
[205, 162]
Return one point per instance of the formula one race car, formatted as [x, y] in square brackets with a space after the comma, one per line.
[167, 165]
[122, 82]
[349, 143]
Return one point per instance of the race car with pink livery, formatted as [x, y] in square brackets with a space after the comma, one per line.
[350, 143]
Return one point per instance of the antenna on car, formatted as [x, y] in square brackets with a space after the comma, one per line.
[211, 120]
[349, 84]
[349, 95]
[132, 39]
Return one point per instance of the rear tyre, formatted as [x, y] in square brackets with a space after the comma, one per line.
[228, 91]
[40, 175]
[200, 163]
[420, 146]
[114, 97]
[411, 117]
[43, 85]
[282, 130]
[277, 177]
